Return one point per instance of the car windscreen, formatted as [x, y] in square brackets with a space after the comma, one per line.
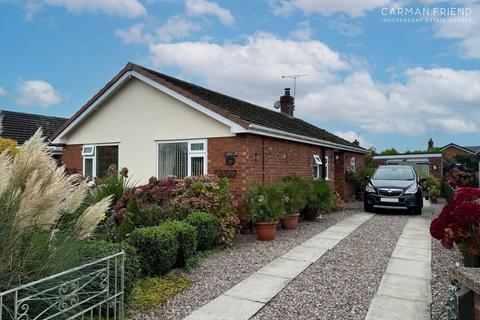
[394, 173]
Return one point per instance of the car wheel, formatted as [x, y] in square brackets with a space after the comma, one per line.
[367, 208]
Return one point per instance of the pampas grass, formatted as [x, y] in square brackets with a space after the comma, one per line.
[38, 205]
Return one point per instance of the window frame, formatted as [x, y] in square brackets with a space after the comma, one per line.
[353, 164]
[317, 163]
[190, 153]
[93, 155]
[327, 171]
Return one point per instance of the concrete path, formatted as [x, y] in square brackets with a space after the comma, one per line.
[249, 296]
[405, 292]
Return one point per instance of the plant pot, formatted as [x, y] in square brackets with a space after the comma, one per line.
[310, 215]
[290, 222]
[266, 231]
[434, 199]
[471, 261]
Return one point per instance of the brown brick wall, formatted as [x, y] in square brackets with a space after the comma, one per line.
[452, 151]
[72, 158]
[342, 164]
[436, 167]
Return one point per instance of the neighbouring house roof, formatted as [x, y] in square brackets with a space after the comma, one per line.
[250, 117]
[469, 149]
[408, 156]
[20, 126]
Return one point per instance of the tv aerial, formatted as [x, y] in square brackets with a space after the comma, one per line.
[294, 77]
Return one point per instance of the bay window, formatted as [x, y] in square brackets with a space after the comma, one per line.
[182, 158]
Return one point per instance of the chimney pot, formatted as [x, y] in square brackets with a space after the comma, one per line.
[287, 104]
[430, 144]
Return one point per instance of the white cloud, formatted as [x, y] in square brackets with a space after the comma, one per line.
[3, 92]
[124, 8]
[134, 34]
[303, 31]
[204, 7]
[346, 28]
[336, 90]
[176, 27]
[37, 93]
[352, 136]
[466, 32]
[327, 7]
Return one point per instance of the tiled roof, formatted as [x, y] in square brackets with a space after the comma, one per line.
[21, 126]
[252, 113]
[474, 149]
[238, 111]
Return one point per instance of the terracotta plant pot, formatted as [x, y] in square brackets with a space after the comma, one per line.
[266, 231]
[310, 215]
[434, 199]
[290, 222]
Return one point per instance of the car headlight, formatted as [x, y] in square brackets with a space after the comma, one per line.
[412, 189]
[370, 188]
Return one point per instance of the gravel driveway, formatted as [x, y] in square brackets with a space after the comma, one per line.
[341, 284]
[221, 271]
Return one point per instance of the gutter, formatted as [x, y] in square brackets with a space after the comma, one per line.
[265, 131]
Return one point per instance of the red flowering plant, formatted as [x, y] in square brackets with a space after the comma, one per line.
[460, 179]
[459, 223]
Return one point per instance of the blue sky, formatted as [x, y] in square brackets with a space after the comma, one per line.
[389, 84]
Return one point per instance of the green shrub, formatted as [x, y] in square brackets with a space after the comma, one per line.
[294, 195]
[264, 202]
[153, 215]
[207, 227]
[322, 198]
[157, 248]
[430, 183]
[92, 250]
[359, 177]
[186, 238]
[151, 292]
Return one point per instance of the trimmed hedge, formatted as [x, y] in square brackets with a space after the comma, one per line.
[207, 226]
[186, 237]
[157, 247]
[93, 250]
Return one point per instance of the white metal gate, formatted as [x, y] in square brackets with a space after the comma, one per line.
[92, 291]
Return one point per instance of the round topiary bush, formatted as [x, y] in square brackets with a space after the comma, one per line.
[207, 226]
[187, 240]
[157, 247]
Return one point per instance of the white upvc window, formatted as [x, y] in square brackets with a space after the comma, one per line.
[98, 158]
[181, 158]
[327, 173]
[353, 164]
[317, 163]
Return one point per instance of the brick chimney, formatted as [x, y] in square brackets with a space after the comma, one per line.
[430, 144]
[356, 142]
[287, 103]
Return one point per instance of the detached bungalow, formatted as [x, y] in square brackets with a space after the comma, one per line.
[157, 125]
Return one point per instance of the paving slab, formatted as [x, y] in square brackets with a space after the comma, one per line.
[389, 308]
[410, 268]
[332, 235]
[416, 254]
[285, 268]
[342, 228]
[416, 235]
[226, 308]
[258, 287]
[405, 287]
[317, 242]
[412, 243]
[305, 253]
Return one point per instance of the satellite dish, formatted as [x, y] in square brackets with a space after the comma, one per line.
[276, 105]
